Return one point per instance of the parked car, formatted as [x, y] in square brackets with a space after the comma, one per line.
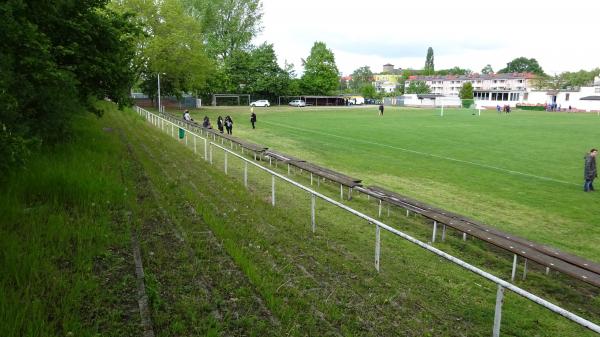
[298, 103]
[261, 102]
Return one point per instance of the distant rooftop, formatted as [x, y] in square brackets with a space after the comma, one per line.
[507, 76]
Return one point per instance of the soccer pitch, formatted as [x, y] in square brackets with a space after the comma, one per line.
[521, 172]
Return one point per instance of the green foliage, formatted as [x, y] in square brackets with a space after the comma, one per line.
[258, 73]
[531, 107]
[172, 46]
[418, 87]
[467, 103]
[361, 76]
[579, 78]
[487, 70]
[368, 91]
[321, 75]
[228, 25]
[58, 58]
[466, 91]
[14, 150]
[523, 65]
[453, 71]
[429, 68]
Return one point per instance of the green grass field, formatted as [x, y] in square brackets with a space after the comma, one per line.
[521, 172]
[219, 260]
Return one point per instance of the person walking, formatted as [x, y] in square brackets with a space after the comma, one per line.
[229, 125]
[220, 124]
[381, 109]
[252, 118]
[589, 172]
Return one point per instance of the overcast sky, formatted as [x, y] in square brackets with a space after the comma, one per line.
[561, 35]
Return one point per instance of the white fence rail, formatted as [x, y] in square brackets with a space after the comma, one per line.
[164, 125]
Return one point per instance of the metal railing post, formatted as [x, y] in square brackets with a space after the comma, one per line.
[273, 190]
[341, 192]
[498, 311]
[379, 211]
[312, 212]
[210, 151]
[377, 245]
[514, 268]
[525, 270]
[444, 233]
[434, 231]
[205, 149]
[225, 152]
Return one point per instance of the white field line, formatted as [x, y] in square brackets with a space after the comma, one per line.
[424, 154]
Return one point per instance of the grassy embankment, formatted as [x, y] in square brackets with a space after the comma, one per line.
[356, 239]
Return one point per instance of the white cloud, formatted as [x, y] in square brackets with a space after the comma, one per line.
[466, 33]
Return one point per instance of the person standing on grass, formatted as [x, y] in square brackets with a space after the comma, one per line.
[252, 118]
[229, 125]
[589, 172]
[220, 124]
[381, 109]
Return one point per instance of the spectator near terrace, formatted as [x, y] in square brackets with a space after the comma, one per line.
[252, 118]
[186, 116]
[229, 125]
[220, 124]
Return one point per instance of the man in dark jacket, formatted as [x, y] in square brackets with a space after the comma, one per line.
[590, 173]
[253, 119]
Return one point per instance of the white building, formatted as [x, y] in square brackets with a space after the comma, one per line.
[492, 90]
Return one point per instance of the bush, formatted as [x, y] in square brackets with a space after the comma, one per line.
[14, 150]
[467, 103]
[531, 107]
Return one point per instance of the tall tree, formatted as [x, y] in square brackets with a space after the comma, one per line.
[258, 73]
[361, 76]
[523, 65]
[321, 74]
[429, 68]
[229, 25]
[418, 87]
[579, 78]
[172, 46]
[466, 91]
[487, 70]
[56, 59]
[368, 91]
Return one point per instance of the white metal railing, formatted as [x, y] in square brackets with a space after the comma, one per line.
[502, 285]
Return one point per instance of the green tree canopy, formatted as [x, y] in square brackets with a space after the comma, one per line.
[258, 73]
[361, 76]
[579, 78]
[429, 68]
[228, 25]
[418, 87]
[172, 46]
[453, 71]
[368, 91]
[487, 69]
[523, 65]
[56, 59]
[321, 75]
[466, 91]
